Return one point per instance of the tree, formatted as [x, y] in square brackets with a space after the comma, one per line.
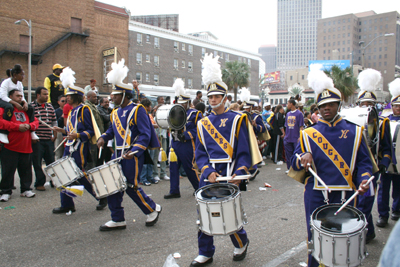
[295, 89]
[235, 75]
[343, 80]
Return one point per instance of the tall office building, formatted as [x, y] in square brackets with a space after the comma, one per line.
[297, 33]
[367, 39]
[268, 55]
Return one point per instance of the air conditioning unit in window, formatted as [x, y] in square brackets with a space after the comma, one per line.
[176, 49]
[139, 43]
[156, 65]
[190, 70]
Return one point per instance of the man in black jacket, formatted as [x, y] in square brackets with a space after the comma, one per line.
[105, 112]
[53, 84]
[278, 134]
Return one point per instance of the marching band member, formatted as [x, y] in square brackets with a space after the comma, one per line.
[387, 178]
[335, 150]
[184, 147]
[132, 131]
[80, 129]
[216, 148]
[368, 81]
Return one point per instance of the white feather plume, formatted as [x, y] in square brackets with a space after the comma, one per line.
[394, 87]
[211, 72]
[179, 87]
[67, 77]
[318, 80]
[244, 94]
[368, 80]
[118, 72]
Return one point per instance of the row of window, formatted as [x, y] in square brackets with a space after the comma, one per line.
[156, 61]
[156, 79]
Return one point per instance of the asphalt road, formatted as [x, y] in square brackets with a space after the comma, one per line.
[30, 235]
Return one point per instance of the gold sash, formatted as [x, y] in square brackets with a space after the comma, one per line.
[218, 138]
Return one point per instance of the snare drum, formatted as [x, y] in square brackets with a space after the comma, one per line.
[220, 210]
[63, 172]
[171, 116]
[107, 179]
[338, 240]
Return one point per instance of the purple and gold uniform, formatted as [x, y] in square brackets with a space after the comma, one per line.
[185, 153]
[340, 157]
[133, 122]
[260, 127]
[217, 146]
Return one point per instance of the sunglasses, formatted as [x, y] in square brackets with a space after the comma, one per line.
[62, 101]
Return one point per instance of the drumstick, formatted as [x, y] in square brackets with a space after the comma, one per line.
[130, 154]
[46, 124]
[62, 142]
[315, 175]
[353, 196]
[238, 177]
[101, 149]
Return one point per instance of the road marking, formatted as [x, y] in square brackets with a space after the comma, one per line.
[288, 254]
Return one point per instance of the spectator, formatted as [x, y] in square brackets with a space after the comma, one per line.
[17, 153]
[141, 97]
[307, 119]
[146, 177]
[234, 107]
[135, 100]
[278, 134]
[105, 113]
[202, 107]
[265, 115]
[62, 100]
[162, 137]
[54, 86]
[314, 116]
[136, 91]
[228, 101]
[92, 87]
[67, 108]
[198, 99]
[91, 101]
[44, 148]
[111, 99]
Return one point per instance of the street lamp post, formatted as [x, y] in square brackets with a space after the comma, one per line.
[363, 48]
[18, 22]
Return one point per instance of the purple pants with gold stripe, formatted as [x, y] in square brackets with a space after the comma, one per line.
[131, 169]
[206, 242]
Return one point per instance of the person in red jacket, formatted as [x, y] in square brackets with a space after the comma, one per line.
[17, 153]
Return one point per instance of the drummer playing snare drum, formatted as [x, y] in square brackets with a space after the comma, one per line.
[218, 154]
[334, 149]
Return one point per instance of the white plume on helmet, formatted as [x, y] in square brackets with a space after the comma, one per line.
[67, 77]
[118, 72]
[244, 94]
[211, 72]
[179, 87]
[394, 88]
[318, 80]
[368, 80]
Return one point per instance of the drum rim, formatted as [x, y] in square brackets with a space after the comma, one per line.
[338, 205]
[168, 108]
[220, 200]
[169, 121]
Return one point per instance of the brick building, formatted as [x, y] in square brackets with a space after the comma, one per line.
[157, 56]
[81, 34]
[344, 37]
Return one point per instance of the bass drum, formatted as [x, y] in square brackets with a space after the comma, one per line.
[171, 117]
[366, 117]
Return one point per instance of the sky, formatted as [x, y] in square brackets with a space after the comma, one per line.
[246, 24]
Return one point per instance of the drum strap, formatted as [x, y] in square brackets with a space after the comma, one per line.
[326, 199]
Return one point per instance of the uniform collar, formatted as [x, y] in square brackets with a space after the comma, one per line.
[339, 119]
[213, 112]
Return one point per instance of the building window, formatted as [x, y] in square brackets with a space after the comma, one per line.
[191, 50]
[156, 42]
[203, 52]
[147, 38]
[139, 76]
[190, 66]
[240, 59]
[139, 39]
[249, 62]
[175, 64]
[183, 64]
[24, 43]
[147, 57]
[76, 25]
[156, 61]
[156, 80]
[190, 83]
[147, 77]
[227, 57]
[291, 78]
[139, 58]
[302, 77]
[176, 46]
[183, 47]
[215, 53]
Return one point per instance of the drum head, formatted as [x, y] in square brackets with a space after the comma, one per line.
[348, 221]
[216, 191]
[177, 117]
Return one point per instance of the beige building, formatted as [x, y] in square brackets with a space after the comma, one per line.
[376, 36]
[297, 76]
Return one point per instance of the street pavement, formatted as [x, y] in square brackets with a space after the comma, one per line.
[30, 235]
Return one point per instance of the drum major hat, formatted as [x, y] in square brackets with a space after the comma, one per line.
[117, 74]
[368, 81]
[323, 86]
[212, 76]
[394, 89]
[67, 79]
[180, 92]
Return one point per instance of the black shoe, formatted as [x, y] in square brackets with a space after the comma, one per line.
[239, 257]
[169, 196]
[254, 175]
[60, 210]
[102, 204]
[370, 237]
[197, 264]
[51, 184]
[395, 216]
[382, 222]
